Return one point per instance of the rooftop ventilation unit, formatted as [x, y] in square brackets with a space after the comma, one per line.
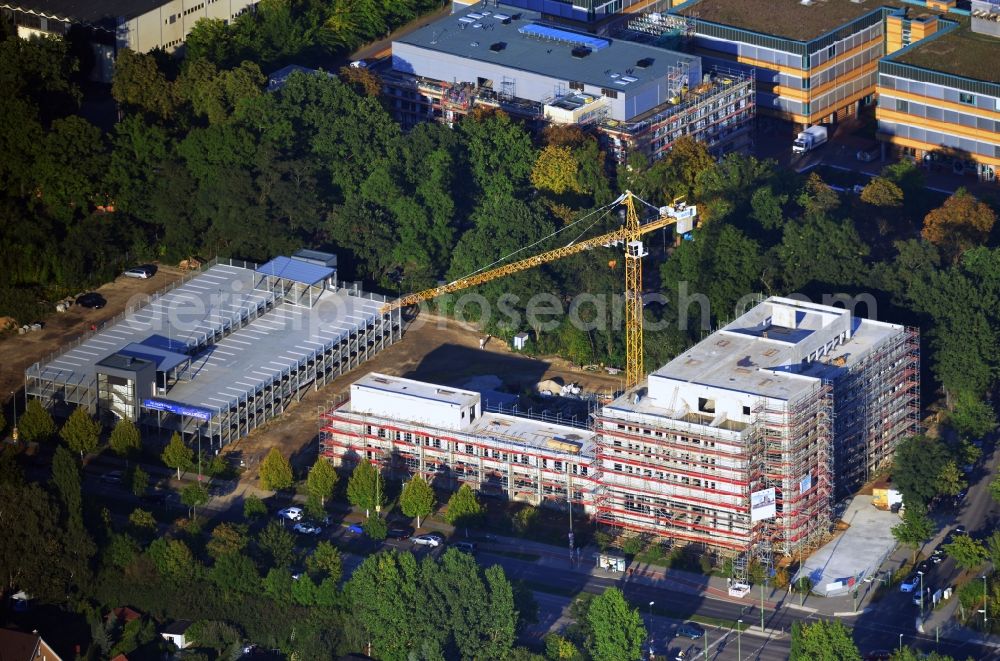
[644, 63]
[498, 46]
[581, 52]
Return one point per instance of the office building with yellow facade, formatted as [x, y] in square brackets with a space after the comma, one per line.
[814, 61]
[939, 98]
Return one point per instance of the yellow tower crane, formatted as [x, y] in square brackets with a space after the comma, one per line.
[630, 234]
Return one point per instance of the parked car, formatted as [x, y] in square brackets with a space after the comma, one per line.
[431, 540]
[91, 300]
[399, 533]
[878, 655]
[690, 630]
[356, 529]
[143, 272]
[867, 155]
[307, 528]
[910, 584]
[291, 514]
[114, 477]
[465, 547]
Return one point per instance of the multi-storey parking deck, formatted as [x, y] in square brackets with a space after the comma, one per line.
[223, 352]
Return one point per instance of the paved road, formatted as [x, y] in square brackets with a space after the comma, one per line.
[877, 629]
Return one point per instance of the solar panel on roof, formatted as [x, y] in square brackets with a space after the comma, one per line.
[564, 36]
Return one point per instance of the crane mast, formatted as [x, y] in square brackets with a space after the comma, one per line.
[630, 234]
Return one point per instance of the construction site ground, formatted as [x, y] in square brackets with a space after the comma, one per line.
[18, 352]
[433, 348]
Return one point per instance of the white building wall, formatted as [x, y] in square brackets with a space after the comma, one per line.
[631, 101]
[414, 408]
[169, 24]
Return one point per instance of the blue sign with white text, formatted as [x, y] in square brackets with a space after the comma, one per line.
[179, 409]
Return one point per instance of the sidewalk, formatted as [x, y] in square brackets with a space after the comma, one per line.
[655, 576]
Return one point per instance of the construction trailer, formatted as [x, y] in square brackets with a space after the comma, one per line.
[221, 352]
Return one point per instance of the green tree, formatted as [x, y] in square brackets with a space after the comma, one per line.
[499, 152]
[227, 538]
[177, 455]
[916, 467]
[253, 507]
[501, 625]
[81, 432]
[617, 628]
[125, 440]
[882, 192]
[365, 488]
[322, 480]
[278, 585]
[325, 561]
[950, 480]
[967, 552]
[823, 641]
[556, 170]
[376, 528]
[558, 648]
[972, 416]
[277, 543]
[36, 425]
[66, 477]
[139, 480]
[235, 573]
[417, 498]
[174, 560]
[194, 496]
[995, 489]
[142, 519]
[139, 83]
[31, 550]
[275, 471]
[463, 507]
[993, 548]
[915, 528]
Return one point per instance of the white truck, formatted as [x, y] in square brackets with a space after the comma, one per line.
[810, 139]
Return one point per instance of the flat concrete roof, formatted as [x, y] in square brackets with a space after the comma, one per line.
[186, 315]
[535, 433]
[789, 19]
[760, 354]
[960, 52]
[270, 345]
[854, 554]
[547, 57]
[421, 389]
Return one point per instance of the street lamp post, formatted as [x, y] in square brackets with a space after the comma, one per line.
[705, 636]
[985, 620]
[921, 574]
[762, 606]
[900, 642]
[651, 628]
[739, 639]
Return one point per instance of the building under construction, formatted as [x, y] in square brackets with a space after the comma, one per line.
[739, 445]
[222, 352]
[636, 97]
[413, 428]
[743, 441]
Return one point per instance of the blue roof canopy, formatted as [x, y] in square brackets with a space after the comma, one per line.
[165, 360]
[293, 269]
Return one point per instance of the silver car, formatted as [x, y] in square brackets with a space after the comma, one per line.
[428, 540]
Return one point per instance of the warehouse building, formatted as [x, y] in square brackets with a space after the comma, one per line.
[109, 25]
[637, 97]
[223, 352]
[739, 445]
[444, 434]
[939, 98]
